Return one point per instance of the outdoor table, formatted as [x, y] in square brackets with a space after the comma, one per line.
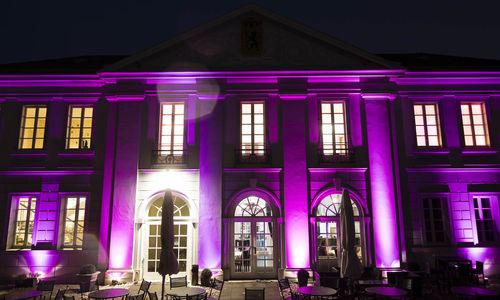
[472, 291]
[190, 291]
[109, 293]
[24, 294]
[386, 291]
[316, 291]
[371, 282]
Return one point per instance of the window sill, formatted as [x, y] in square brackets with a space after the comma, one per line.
[30, 153]
[431, 151]
[79, 152]
[479, 151]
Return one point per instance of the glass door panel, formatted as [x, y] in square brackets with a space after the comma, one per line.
[327, 243]
[264, 256]
[243, 247]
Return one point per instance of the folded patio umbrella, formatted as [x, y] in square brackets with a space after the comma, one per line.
[350, 266]
[168, 261]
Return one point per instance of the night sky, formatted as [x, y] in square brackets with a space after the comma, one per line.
[37, 29]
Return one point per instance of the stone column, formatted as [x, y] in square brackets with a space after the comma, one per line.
[382, 182]
[210, 213]
[295, 181]
[123, 185]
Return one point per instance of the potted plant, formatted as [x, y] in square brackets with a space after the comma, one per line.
[87, 277]
[206, 276]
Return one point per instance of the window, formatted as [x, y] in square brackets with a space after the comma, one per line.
[427, 125]
[182, 234]
[333, 128]
[172, 129]
[253, 206]
[328, 231]
[74, 220]
[474, 124]
[485, 224]
[252, 129]
[79, 131]
[435, 232]
[25, 220]
[32, 127]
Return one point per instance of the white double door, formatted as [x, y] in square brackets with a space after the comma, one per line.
[152, 248]
[253, 252]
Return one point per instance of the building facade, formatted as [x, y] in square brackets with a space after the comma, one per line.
[257, 124]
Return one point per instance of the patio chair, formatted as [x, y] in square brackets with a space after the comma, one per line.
[65, 297]
[216, 289]
[478, 271]
[178, 281]
[254, 293]
[144, 288]
[135, 297]
[59, 294]
[152, 296]
[46, 286]
[285, 289]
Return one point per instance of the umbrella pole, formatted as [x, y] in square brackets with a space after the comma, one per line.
[162, 286]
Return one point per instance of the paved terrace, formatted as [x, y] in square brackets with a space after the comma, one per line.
[235, 289]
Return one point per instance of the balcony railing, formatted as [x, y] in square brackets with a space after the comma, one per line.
[336, 155]
[256, 156]
[169, 157]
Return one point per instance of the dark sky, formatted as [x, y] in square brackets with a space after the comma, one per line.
[44, 29]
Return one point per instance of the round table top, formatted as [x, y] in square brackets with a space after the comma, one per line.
[109, 293]
[188, 290]
[386, 291]
[24, 294]
[316, 291]
[472, 291]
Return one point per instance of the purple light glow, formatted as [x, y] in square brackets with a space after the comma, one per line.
[382, 184]
[295, 183]
[41, 261]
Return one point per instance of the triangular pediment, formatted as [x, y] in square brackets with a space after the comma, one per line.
[251, 38]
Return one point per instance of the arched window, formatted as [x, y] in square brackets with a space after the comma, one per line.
[253, 206]
[181, 233]
[181, 208]
[327, 215]
[330, 206]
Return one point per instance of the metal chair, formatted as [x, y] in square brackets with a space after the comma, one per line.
[144, 288]
[46, 286]
[65, 297]
[152, 296]
[135, 297]
[178, 281]
[479, 271]
[254, 293]
[216, 289]
[59, 295]
[285, 289]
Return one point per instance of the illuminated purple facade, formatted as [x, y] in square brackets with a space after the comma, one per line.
[256, 124]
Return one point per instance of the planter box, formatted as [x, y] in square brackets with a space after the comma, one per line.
[87, 282]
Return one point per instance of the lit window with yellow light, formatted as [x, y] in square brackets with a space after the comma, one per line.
[79, 130]
[33, 124]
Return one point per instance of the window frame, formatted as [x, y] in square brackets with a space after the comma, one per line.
[437, 114]
[62, 223]
[495, 210]
[253, 150]
[484, 114]
[443, 198]
[171, 152]
[22, 127]
[14, 200]
[81, 128]
[347, 136]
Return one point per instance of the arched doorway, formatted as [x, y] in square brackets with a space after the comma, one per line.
[327, 234]
[254, 237]
[183, 236]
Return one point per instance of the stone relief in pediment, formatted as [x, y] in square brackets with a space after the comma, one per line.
[262, 45]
